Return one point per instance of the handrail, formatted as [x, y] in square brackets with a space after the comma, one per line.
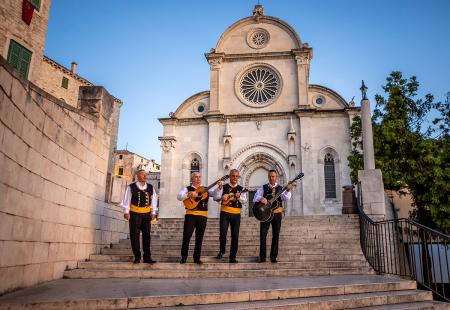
[406, 248]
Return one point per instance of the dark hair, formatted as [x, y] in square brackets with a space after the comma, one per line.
[271, 170]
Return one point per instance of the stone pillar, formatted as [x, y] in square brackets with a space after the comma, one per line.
[310, 196]
[214, 157]
[215, 62]
[367, 135]
[371, 179]
[303, 57]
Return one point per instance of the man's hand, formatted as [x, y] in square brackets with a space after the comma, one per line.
[290, 186]
[192, 194]
[126, 216]
[263, 200]
[237, 195]
[225, 197]
[220, 184]
[153, 217]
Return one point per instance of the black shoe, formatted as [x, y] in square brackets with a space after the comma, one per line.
[233, 261]
[136, 261]
[261, 260]
[273, 260]
[219, 256]
[149, 261]
[183, 261]
[198, 262]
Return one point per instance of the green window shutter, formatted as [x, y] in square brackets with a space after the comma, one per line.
[65, 82]
[19, 57]
[36, 4]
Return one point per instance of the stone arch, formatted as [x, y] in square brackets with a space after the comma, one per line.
[186, 166]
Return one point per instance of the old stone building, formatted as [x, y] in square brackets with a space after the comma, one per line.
[56, 156]
[260, 113]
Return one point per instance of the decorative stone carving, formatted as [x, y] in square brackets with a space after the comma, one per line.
[167, 143]
[258, 124]
[306, 147]
[215, 63]
[258, 10]
[258, 38]
[302, 59]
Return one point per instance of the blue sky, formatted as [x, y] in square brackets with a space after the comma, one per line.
[150, 54]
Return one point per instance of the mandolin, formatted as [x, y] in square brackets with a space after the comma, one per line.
[264, 212]
[202, 192]
[232, 197]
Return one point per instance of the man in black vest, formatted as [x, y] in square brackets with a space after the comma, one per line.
[261, 195]
[195, 219]
[231, 198]
[140, 205]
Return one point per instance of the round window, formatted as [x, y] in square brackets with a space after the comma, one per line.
[258, 38]
[319, 101]
[258, 86]
[201, 108]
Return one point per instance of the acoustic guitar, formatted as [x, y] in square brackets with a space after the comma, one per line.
[264, 212]
[232, 197]
[202, 192]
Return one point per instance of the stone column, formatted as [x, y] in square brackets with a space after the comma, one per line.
[371, 179]
[213, 160]
[367, 135]
[308, 192]
[215, 62]
[303, 57]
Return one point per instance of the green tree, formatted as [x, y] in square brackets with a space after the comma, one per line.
[411, 151]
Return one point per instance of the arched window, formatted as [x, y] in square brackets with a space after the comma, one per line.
[330, 177]
[195, 165]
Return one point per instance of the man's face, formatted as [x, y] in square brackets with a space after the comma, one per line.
[142, 176]
[272, 178]
[196, 179]
[234, 177]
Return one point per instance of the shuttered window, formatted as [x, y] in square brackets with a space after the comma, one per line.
[19, 57]
[36, 4]
[330, 177]
[65, 82]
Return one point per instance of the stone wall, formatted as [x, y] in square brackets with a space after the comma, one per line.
[30, 36]
[54, 162]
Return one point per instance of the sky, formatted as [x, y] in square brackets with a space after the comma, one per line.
[150, 54]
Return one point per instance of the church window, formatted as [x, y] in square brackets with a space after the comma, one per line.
[19, 57]
[259, 86]
[330, 178]
[65, 82]
[195, 165]
[201, 108]
[258, 38]
[319, 101]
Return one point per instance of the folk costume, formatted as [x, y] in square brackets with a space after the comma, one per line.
[230, 215]
[265, 191]
[140, 201]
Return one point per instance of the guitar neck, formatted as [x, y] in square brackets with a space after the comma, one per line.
[279, 194]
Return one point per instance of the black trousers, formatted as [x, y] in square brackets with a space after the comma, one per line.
[191, 223]
[140, 222]
[264, 229]
[234, 221]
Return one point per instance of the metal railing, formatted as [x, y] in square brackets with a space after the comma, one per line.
[406, 248]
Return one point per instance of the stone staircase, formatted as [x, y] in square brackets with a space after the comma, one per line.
[320, 266]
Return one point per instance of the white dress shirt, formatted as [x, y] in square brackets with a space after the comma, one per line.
[182, 195]
[260, 192]
[127, 198]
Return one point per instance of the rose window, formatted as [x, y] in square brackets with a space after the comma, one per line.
[259, 86]
[258, 38]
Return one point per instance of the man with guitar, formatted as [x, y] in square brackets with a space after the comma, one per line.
[232, 197]
[264, 193]
[195, 199]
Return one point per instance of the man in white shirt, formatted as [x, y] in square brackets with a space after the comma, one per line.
[195, 218]
[264, 192]
[140, 206]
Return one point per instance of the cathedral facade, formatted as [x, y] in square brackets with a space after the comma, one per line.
[260, 113]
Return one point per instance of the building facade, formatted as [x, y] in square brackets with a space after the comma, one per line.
[260, 113]
[127, 163]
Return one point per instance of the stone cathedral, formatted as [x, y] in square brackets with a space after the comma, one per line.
[260, 113]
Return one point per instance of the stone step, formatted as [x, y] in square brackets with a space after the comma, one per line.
[386, 300]
[220, 265]
[313, 292]
[244, 251]
[232, 273]
[244, 259]
[419, 305]
[289, 227]
[250, 243]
